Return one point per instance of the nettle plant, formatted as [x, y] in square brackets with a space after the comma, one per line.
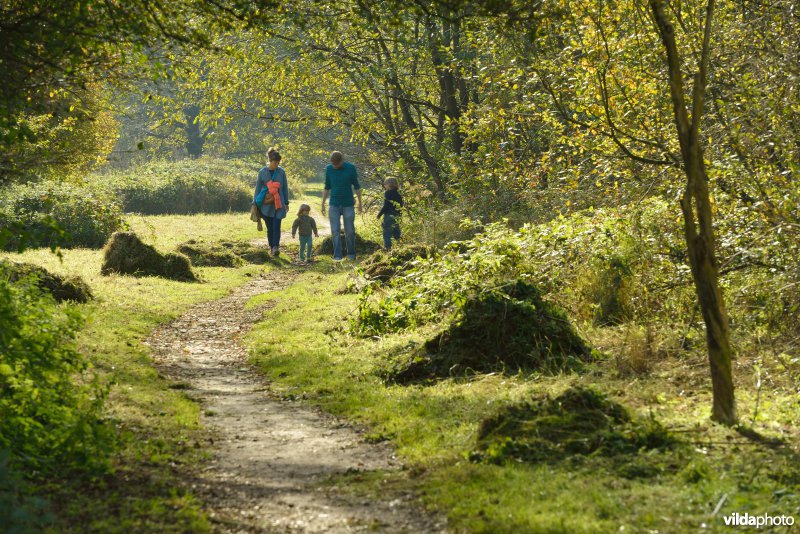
[629, 261]
[432, 287]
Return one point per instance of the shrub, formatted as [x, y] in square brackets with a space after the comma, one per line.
[88, 216]
[205, 185]
[61, 288]
[125, 253]
[48, 417]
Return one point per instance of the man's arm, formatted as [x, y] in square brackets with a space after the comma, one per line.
[358, 194]
[325, 193]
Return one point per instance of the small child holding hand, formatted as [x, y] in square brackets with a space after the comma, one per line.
[305, 224]
[392, 202]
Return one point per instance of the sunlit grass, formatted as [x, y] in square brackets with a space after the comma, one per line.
[305, 353]
[157, 427]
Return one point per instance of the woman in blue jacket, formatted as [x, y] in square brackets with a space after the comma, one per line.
[272, 216]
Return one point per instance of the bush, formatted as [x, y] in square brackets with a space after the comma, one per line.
[50, 406]
[504, 329]
[88, 216]
[580, 421]
[205, 185]
[61, 288]
[125, 253]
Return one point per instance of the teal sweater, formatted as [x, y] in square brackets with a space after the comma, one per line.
[341, 182]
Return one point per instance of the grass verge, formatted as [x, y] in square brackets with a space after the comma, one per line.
[306, 354]
[157, 426]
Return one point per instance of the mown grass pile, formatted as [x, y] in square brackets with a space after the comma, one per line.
[62, 288]
[363, 246]
[224, 253]
[580, 421]
[383, 265]
[505, 329]
[125, 253]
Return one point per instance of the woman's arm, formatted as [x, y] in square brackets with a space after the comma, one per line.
[285, 190]
[259, 186]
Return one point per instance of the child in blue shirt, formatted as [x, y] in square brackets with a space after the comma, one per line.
[392, 202]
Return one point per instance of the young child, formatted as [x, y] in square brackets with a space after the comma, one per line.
[392, 202]
[305, 224]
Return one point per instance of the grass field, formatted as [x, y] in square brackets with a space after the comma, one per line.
[159, 430]
[433, 428]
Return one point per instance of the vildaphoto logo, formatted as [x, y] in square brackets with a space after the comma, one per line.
[764, 520]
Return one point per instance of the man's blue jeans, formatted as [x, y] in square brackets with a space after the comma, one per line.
[335, 213]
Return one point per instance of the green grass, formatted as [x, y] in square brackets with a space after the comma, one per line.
[158, 430]
[304, 351]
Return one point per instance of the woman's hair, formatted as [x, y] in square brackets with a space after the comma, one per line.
[273, 155]
[391, 183]
[303, 207]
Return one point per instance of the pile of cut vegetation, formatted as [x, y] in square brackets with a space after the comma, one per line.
[224, 253]
[363, 246]
[71, 288]
[579, 422]
[125, 253]
[383, 265]
[506, 329]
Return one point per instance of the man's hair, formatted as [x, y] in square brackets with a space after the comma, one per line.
[391, 183]
[337, 157]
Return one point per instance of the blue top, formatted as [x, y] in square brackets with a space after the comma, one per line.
[392, 202]
[264, 176]
[341, 182]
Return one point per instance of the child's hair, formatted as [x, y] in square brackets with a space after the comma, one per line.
[303, 207]
[273, 155]
[391, 183]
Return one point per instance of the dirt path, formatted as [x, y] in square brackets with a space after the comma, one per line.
[270, 456]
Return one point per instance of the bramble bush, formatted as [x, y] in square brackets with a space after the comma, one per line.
[50, 402]
[206, 185]
[85, 216]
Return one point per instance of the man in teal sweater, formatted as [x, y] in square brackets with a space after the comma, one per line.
[341, 181]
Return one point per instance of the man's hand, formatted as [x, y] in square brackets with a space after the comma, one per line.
[359, 208]
[323, 208]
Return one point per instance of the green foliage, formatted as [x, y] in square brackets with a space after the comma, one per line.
[188, 186]
[20, 513]
[580, 421]
[442, 284]
[87, 216]
[49, 402]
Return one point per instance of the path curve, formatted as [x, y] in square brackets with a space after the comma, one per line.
[270, 456]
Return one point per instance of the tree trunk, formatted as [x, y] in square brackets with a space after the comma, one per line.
[697, 213]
